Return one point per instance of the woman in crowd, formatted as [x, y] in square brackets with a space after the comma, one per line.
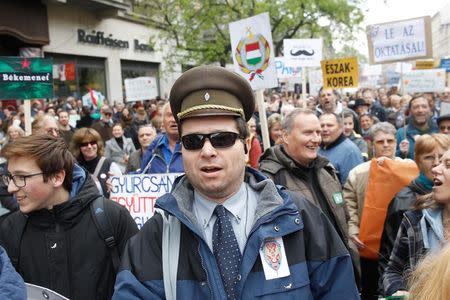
[13, 133]
[87, 147]
[274, 126]
[366, 120]
[423, 230]
[255, 150]
[427, 150]
[349, 132]
[119, 148]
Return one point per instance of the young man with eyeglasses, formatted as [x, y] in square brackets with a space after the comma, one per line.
[53, 240]
[241, 237]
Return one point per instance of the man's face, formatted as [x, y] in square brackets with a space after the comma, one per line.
[348, 126]
[215, 173]
[366, 122]
[420, 111]
[327, 100]
[368, 97]
[64, 118]
[303, 142]
[169, 124]
[331, 130]
[384, 145]
[445, 96]
[444, 127]
[146, 136]
[36, 194]
[49, 126]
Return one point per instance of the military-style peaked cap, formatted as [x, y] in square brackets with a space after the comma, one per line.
[211, 90]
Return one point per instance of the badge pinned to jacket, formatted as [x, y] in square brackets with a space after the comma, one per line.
[273, 258]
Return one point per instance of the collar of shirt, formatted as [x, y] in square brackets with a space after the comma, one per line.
[205, 208]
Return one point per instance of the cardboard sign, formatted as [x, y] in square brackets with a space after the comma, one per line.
[424, 81]
[303, 52]
[253, 53]
[340, 73]
[401, 40]
[138, 193]
[140, 88]
[25, 78]
[287, 69]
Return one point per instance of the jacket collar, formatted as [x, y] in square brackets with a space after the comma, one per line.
[339, 140]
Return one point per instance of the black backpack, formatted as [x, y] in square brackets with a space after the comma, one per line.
[98, 214]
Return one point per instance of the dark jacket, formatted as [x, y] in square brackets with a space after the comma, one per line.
[154, 157]
[402, 202]
[11, 284]
[319, 264]
[61, 248]
[406, 253]
[284, 171]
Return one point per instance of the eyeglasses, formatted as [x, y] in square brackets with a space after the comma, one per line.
[53, 130]
[382, 142]
[85, 144]
[196, 141]
[19, 180]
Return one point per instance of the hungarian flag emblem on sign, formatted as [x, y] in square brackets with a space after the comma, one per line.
[25, 78]
[253, 55]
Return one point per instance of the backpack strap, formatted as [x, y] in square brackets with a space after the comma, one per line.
[98, 167]
[170, 252]
[104, 228]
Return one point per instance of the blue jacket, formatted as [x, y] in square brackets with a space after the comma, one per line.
[320, 266]
[411, 132]
[344, 155]
[11, 284]
[155, 157]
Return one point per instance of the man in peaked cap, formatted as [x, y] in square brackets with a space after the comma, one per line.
[241, 237]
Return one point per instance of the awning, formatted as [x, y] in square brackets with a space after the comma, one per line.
[26, 20]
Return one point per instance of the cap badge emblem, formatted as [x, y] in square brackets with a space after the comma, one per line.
[207, 97]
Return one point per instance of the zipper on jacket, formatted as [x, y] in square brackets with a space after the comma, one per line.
[204, 269]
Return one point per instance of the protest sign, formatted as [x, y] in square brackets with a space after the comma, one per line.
[138, 193]
[140, 88]
[424, 64]
[384, 182]
[340, 73]
[253, 53]
[303, 52]
[25, 78]
[286, 69]
[445, 64]
[424, 81]
[315, 81]
[401, 40]
[370, 76]
[93, 99]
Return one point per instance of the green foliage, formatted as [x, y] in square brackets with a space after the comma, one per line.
[197, 31]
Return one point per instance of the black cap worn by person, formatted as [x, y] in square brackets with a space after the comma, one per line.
[443, 118]
[360, 102]
[211, 91]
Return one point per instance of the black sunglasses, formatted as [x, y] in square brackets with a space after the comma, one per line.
[196, 141]
[92, 143]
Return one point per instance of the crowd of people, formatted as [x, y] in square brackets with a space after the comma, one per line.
[302, 201]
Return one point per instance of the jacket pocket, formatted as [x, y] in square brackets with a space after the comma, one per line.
[295, 286]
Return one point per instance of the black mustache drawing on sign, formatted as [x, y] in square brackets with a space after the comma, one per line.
[302, 52]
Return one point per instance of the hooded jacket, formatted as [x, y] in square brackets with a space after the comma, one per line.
[11, 284]
[319, 264]
[153, 161]
[284, 171]
[61, 248]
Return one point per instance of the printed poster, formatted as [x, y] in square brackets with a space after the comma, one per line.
[253, 53]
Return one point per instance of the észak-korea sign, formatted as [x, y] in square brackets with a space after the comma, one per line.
[25, 78]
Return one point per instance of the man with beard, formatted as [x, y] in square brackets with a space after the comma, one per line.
[65, 129]
[419, 123]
